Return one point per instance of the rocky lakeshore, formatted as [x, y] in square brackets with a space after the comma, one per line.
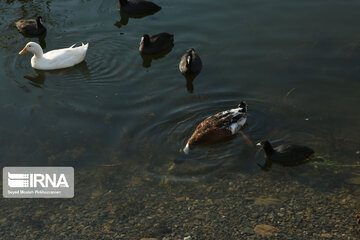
[116, 203]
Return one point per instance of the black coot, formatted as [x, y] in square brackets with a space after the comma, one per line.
[190, 62]
[156, 43]
[286, 154]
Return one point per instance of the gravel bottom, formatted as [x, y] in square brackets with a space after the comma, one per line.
[115, 203]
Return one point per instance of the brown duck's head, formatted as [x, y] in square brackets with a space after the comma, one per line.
[39, 22]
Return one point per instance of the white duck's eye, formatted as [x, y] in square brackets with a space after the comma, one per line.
[29, 46]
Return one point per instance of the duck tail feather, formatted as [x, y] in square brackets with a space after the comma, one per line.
[186, 149]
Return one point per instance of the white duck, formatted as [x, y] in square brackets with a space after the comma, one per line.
[56, 59]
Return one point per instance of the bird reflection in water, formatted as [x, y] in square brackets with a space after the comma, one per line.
[39, 78]
[147, 59]
[189, 81]
[41, 39]
[124, 18]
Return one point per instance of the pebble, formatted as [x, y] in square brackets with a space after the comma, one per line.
[326, 235]
[265, 230]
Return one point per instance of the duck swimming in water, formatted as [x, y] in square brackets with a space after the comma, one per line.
[285, 154]
[31, 27]
[156, 44]
[55, 59]
[190, 63]
[218, 127]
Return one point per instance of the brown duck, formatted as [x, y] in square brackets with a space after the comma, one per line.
[218, 127]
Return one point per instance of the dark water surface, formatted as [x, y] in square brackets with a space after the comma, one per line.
[296, 63]
[257, 52]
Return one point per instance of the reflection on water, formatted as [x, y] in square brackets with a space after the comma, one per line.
[189, 81]
[39, 77]
[123, 21]
[124, 18]
[38, 80]
[41, 39]
[189, 85]
[147, 59]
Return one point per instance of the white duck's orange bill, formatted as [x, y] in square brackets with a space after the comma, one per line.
[23, 51]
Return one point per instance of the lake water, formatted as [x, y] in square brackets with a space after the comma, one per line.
[296, 64]
[257, 52]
